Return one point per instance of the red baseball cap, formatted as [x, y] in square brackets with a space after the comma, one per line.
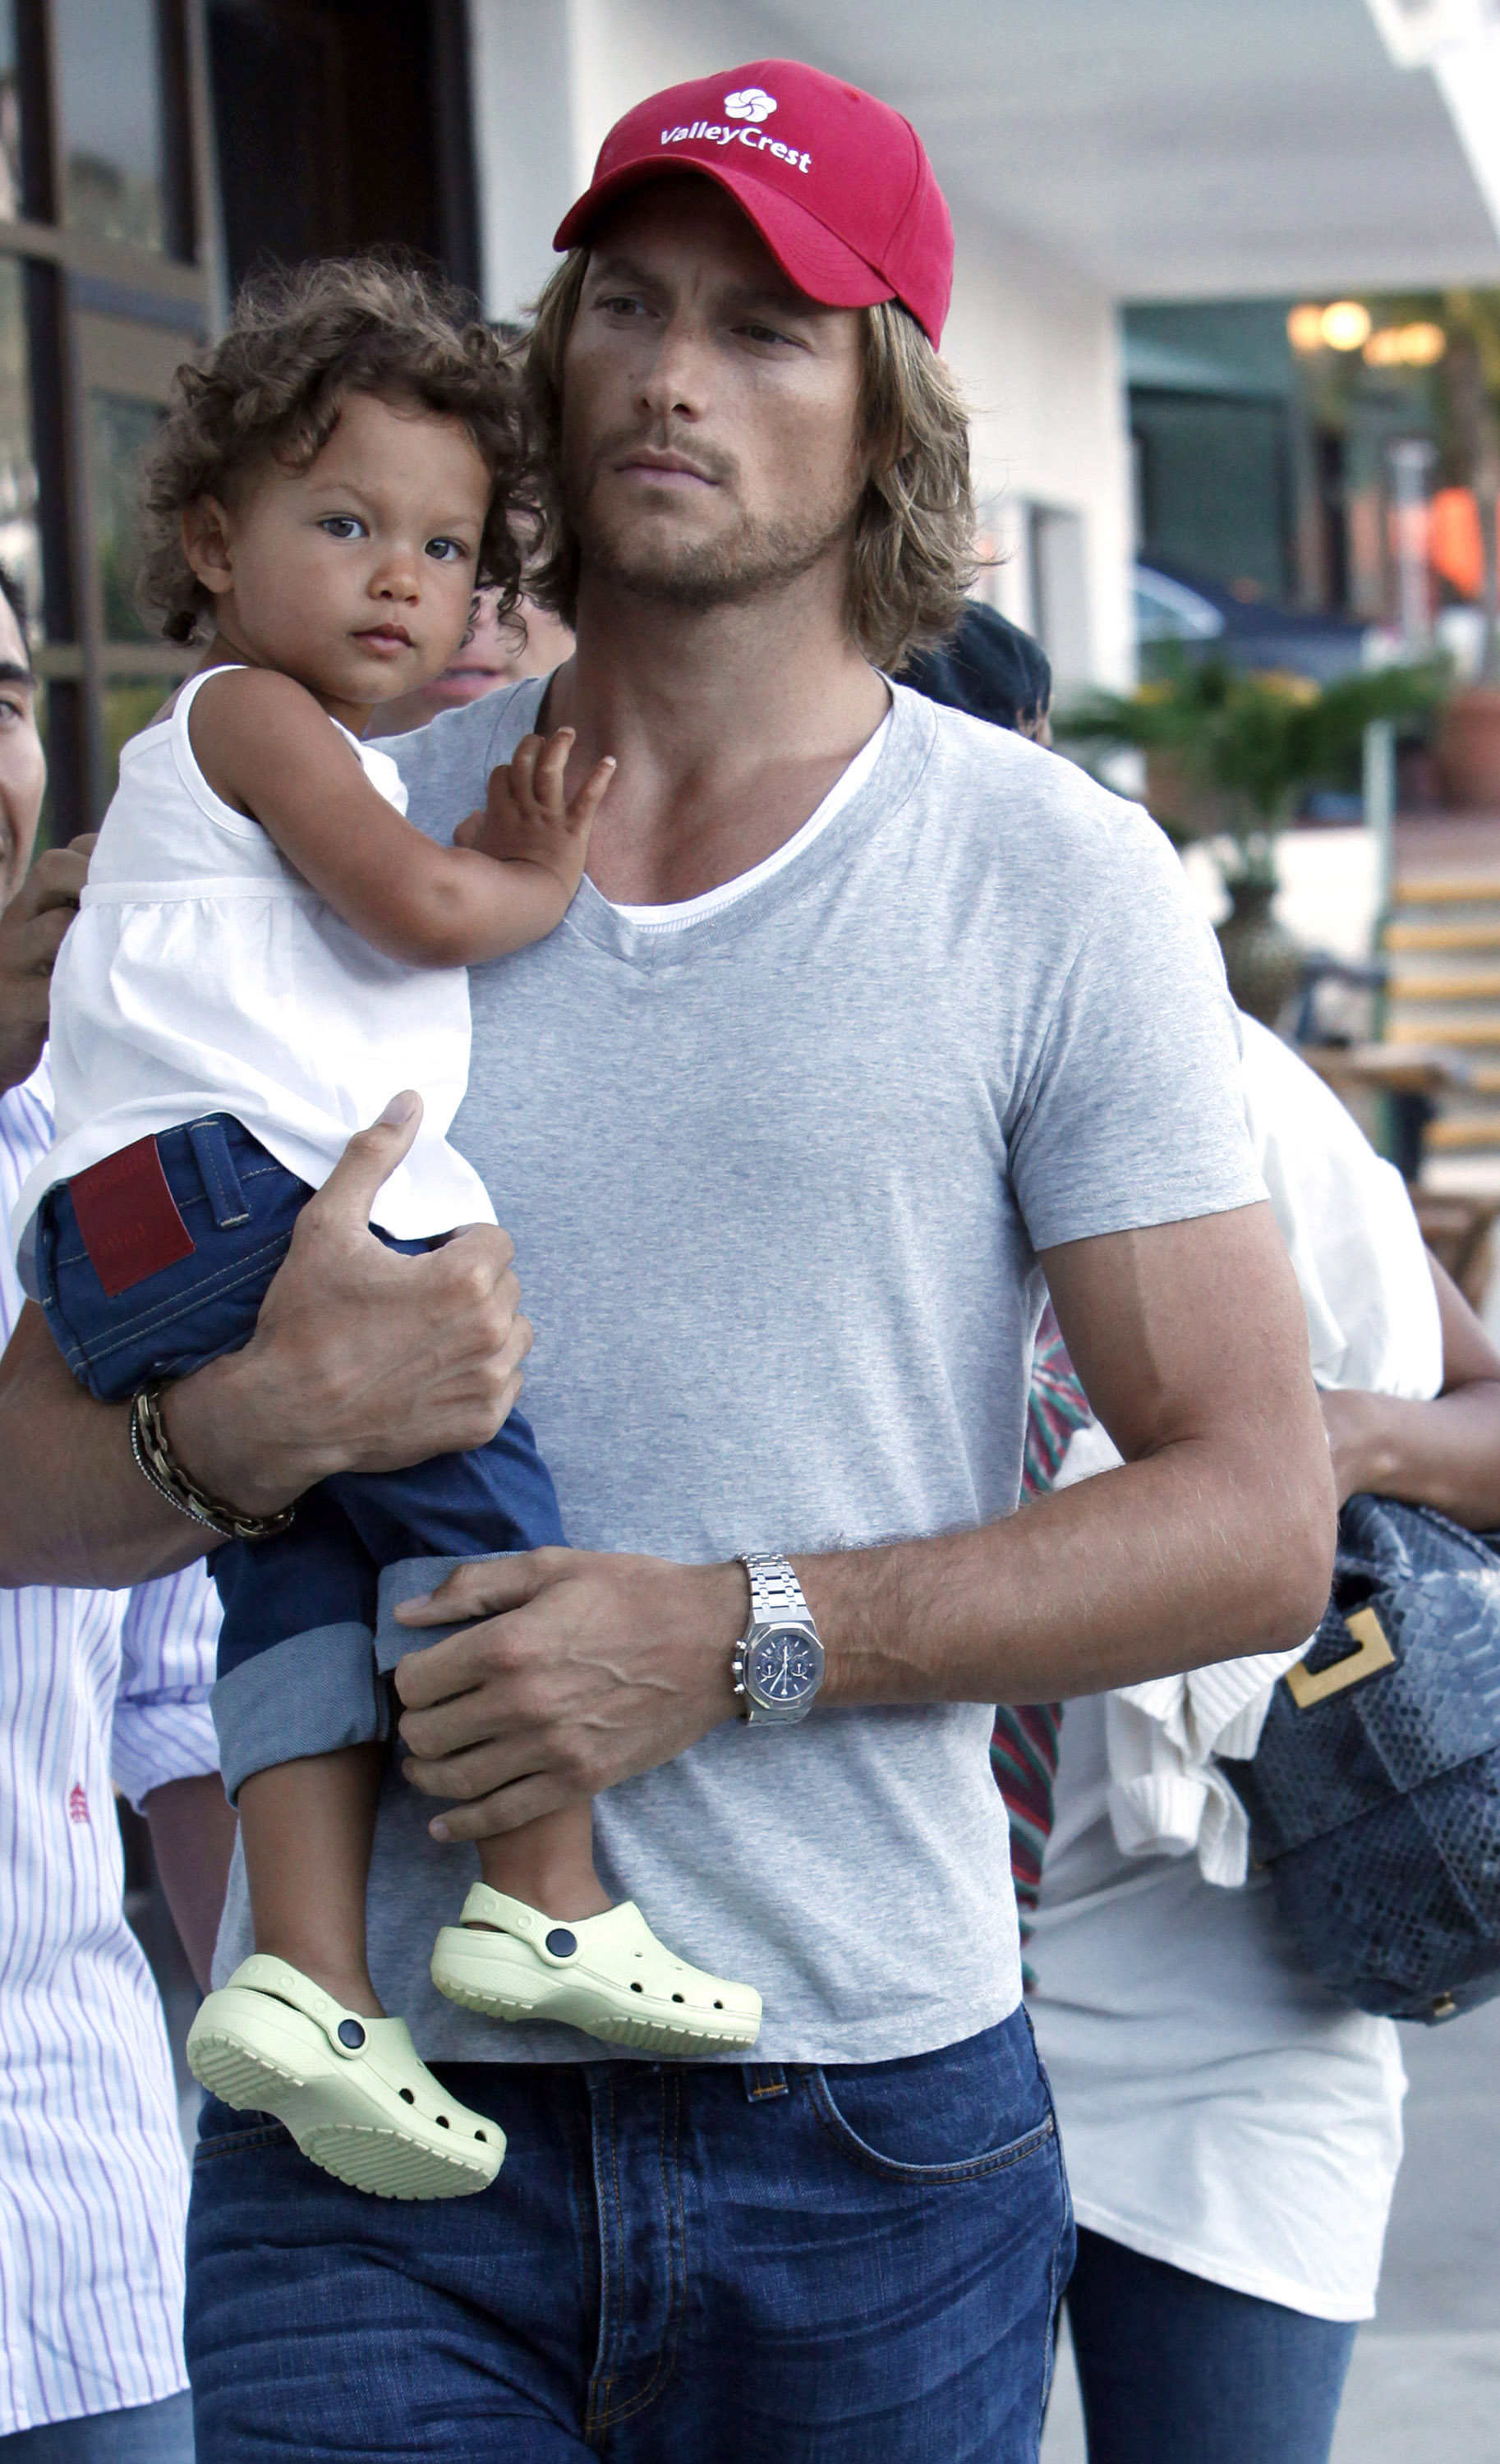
[837, 184]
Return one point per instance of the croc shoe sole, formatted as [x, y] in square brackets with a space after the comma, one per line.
[382, 2124]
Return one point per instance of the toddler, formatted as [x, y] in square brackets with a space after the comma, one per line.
[266, 949]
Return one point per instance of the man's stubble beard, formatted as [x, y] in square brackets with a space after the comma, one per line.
[753, 559]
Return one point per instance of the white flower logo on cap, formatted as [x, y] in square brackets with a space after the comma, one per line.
[752, 102]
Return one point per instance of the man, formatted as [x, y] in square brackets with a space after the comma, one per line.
[865, 1016]
[97, 1691]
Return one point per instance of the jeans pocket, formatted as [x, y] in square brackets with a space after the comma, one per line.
[956, 2115]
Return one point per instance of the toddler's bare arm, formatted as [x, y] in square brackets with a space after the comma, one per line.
[266, 746]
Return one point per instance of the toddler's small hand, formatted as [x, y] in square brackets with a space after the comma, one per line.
[528, 817]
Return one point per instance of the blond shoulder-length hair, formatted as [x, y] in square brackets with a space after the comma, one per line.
[913, 532]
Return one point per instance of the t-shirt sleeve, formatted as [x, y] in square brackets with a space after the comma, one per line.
[1131, 1111]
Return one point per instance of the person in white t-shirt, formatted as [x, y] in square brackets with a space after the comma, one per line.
[1232, 2132]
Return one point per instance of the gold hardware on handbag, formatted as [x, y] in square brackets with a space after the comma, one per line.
[1307, 1686]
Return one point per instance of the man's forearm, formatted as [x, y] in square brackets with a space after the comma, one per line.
[599, 1667]
[1142, 1571]
[73, 1506]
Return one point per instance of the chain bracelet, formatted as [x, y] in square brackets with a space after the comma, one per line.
[156, 1463]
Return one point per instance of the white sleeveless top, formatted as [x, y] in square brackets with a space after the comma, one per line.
[202, 974]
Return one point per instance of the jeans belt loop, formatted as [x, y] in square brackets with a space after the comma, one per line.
[764, 2080]
[216, 1171]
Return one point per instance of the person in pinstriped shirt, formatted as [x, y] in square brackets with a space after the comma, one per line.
[97, 1690]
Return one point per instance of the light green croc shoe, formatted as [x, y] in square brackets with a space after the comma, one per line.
[608, 1975]
[353, 2092]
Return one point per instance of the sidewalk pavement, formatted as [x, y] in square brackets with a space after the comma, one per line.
[1424, 2384]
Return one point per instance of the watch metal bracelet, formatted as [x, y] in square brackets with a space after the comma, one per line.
[775, 1595]
[154, 1460]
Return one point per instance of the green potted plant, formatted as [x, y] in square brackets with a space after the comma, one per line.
[1229, 756]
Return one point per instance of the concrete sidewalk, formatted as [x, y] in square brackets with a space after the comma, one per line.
[1424, 2384]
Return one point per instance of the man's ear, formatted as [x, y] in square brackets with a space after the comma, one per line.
[207, 545]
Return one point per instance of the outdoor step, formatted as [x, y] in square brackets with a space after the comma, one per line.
[1458, 938]
[1447, 889]
[1449, 1136]
[1445, 1030]
[1445, 987]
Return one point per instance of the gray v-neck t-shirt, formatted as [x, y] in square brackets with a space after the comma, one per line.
[777, 1179]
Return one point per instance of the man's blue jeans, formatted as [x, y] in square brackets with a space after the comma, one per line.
[678, 2264]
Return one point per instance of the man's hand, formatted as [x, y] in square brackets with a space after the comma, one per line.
[362, 1360]
[589, 1669]
[31, 935]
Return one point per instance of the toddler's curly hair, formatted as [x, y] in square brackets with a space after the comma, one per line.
[298, 344]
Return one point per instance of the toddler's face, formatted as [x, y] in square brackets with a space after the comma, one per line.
[356, 576]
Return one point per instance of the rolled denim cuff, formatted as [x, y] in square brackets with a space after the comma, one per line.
[311, 1694]
[412, 1579]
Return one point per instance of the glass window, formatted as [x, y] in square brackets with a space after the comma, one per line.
[20, 544]
[109, 95]
[10, 118]
[119, 429]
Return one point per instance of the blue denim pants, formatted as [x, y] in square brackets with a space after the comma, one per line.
[297, 1669]
[679, 2263]
[1175, 2370]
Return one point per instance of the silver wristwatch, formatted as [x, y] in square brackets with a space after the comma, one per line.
[778, 1663]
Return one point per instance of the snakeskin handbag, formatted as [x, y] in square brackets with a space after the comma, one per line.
[1373, 1796]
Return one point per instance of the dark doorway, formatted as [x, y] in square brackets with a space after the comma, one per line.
[341, 125]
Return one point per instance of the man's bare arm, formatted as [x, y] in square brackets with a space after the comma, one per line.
[1215, 1540]
[362, 1362]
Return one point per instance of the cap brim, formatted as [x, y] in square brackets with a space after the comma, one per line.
[826, 268]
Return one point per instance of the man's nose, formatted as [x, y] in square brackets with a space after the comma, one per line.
[676, 386]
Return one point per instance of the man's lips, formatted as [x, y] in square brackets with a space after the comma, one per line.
[668, 469]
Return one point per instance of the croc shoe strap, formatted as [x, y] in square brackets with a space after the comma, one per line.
[348, 2034]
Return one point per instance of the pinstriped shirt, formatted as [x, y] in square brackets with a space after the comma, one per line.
[97, 1689]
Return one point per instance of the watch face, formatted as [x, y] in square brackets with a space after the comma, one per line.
[785, 1666]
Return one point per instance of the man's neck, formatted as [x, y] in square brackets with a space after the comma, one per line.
[730, 726]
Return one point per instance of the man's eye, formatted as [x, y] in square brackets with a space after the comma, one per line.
[342, 526]
[763, 334]
[622, 305]
[449, 551]
[10, 714]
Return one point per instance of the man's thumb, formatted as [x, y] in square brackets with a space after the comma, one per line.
[372, 1155]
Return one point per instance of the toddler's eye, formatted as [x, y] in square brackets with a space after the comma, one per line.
[447, 551]
[342, 526]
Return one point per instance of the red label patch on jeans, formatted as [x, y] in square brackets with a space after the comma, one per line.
[128, 1217]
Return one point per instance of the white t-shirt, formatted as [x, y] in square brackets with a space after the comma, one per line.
[1219, 2110]
[202, 974]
